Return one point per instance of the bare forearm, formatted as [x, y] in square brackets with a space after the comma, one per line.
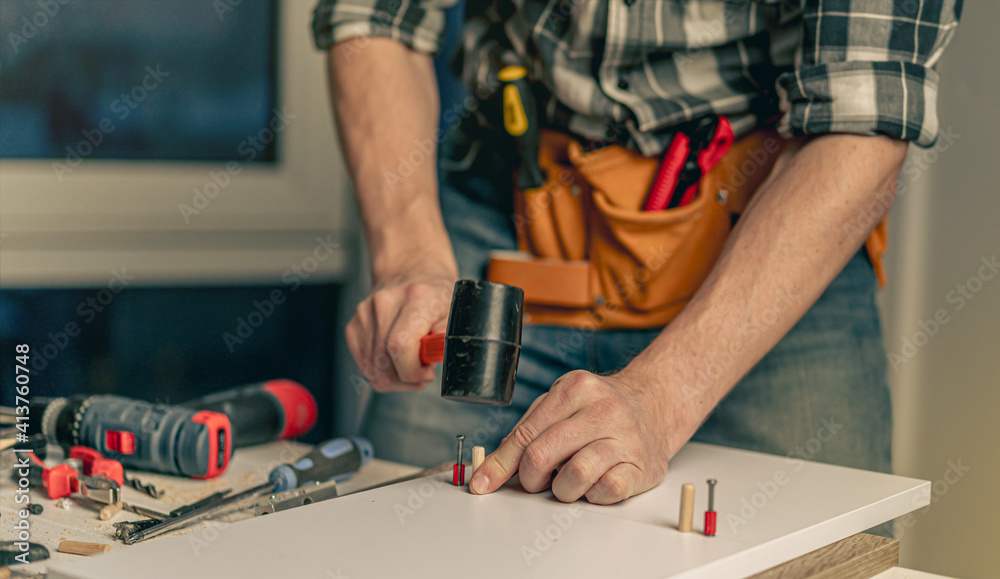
[790, 244]
[386, 104]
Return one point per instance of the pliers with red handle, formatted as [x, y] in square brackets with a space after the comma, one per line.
[63, 480]
[692, 153]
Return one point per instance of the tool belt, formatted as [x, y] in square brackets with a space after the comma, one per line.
[591, 258]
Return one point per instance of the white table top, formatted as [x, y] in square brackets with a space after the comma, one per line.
[421, 527]
[248, 467]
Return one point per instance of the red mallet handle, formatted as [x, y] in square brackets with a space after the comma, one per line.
[710, 523]
[432, 349]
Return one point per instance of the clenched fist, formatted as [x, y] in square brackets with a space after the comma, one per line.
[384, 334]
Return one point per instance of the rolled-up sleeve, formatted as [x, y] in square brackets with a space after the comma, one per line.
[868, 67]
[419, 24]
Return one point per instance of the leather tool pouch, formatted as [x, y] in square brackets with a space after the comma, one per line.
[590, 257]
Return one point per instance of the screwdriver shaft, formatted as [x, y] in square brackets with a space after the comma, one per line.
[197, 515]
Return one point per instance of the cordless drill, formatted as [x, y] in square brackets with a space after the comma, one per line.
[140, 435]
[195, 439]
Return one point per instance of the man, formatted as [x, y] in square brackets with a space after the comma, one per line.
[779, 350]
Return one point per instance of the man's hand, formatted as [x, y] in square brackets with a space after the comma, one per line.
[384, 334]
[609, 434]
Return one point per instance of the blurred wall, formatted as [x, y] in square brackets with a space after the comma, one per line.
[943, 315]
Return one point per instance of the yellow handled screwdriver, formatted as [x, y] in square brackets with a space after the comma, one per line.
[520, 119]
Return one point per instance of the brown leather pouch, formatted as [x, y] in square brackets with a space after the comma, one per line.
[590, 257]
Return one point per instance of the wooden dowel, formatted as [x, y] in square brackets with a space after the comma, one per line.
[108, 511]
[478, 456]
[4, 572]
[686, 517]
[82, 548]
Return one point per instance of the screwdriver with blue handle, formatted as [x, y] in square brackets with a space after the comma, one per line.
[333, 460]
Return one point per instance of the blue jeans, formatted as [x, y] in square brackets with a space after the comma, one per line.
[821, 394]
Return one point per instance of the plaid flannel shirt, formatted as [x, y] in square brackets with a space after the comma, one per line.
[826, 66]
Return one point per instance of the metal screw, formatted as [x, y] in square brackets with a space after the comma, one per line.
[722, 196]
[35, 509]
[711, 493]
[460, 438]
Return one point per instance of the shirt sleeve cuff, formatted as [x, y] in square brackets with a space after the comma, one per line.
[897, 99]
[420, 27]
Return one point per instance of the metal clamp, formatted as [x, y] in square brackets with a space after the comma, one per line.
[99, 488]
[296, 498]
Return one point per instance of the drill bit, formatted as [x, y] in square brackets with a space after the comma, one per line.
[126, 528]
[148, 489]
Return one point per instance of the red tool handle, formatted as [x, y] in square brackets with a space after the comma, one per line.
[710, 156]
[432, 349]
[664, 193]
[669, 170]
[58, 481]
